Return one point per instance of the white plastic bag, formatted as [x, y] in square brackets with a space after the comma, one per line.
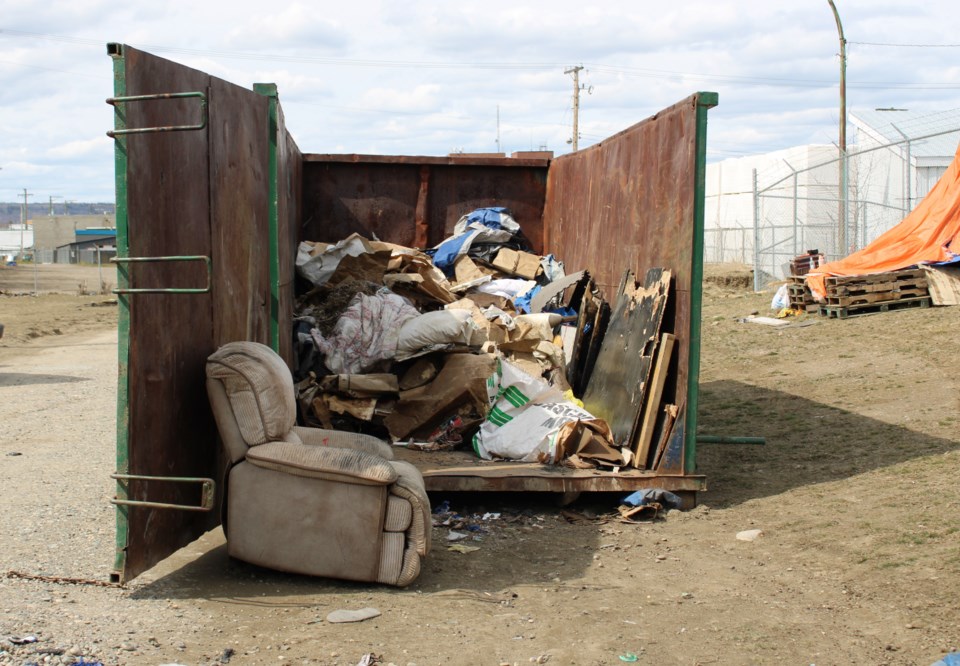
[781, 299]
[525, 419]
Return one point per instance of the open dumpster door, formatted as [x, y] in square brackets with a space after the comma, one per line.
[198, 260]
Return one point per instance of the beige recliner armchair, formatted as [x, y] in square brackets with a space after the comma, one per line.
[304, 500]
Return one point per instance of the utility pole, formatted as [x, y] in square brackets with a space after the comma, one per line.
[842, 222]
[23, 220]
[576, 105]
[498, 128]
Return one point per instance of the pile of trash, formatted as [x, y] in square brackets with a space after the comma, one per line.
[476, 343]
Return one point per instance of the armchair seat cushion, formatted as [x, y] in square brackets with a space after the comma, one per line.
[318, 462]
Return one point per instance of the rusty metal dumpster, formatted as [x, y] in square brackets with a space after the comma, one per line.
[213, 195]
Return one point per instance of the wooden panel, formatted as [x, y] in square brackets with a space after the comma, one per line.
[651, 410]
[619, 379]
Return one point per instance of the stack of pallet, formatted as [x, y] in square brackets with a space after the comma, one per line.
[861, 294]
[801, 298]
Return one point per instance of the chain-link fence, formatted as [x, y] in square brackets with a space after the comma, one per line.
[800, 210]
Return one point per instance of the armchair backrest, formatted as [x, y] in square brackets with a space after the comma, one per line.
[256, 385]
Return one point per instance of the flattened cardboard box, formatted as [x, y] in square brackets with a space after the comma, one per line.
[522, 264]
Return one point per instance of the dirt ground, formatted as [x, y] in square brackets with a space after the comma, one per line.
[855, 492]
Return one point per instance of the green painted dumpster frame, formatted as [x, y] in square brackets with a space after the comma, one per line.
[231, 194]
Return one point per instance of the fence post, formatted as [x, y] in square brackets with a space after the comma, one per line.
[756, 234]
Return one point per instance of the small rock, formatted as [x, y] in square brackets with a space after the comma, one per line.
[340, 616]
[749, 535]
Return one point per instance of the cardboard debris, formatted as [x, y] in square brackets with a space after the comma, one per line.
[437, 393]
[461, 384]
[360, 408]
[361, 386]
[422, 372]
[521, 264]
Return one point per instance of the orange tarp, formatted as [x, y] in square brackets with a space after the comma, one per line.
[925, 235]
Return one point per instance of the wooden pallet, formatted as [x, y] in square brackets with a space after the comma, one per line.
[844, 311]
[875, 278]
[867, 298]
[853, 291]
[799, 295]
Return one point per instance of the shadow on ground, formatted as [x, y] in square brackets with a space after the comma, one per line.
[26, 379]
[529, 543]
[807, 443]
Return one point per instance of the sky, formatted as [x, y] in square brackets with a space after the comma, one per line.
[431, 78]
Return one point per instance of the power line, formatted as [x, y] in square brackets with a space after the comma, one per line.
[909, 46]
[518, 66]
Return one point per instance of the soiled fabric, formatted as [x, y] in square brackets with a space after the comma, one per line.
[366, 333]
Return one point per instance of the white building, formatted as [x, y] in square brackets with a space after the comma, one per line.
[766, 209]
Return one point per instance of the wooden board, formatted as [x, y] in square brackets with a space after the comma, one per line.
[618, 384]
[667, 420]
[641, 446]
[462, 471]
[944, 284]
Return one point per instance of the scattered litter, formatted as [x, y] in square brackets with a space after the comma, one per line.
[22, 640]
[341, 616]
[629, 657]
[14, 453]
[490, 516]
[749, 535]
[952, 659]
[766, 321]
[663, 497]
[781, 299]
[462, 548]
[369, 659]
[456, 536]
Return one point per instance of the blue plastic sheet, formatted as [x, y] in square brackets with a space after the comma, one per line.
[659, 495]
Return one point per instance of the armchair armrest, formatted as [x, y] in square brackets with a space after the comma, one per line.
[322, 462]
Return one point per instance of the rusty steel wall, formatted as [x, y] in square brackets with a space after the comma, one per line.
[168, 192]
[628, 203]
[415, 201]
[289, 216]
[188, 193]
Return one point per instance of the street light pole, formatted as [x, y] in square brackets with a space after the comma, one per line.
[842, 223]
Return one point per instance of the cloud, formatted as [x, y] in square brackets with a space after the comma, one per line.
[427, 77]
[74, 150]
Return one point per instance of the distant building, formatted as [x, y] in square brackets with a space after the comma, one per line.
[915, 153]
[55, 231]
[765, 209]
